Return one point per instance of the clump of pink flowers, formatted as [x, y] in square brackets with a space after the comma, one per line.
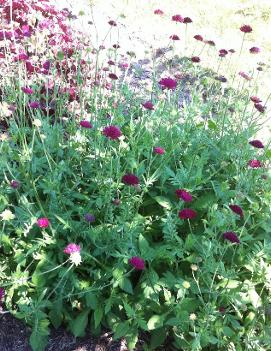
[158, 150]
[187, 213]
[43, 222]
[232, 237]
[184, 195]
[168, 83]
[137, 262]
[130, 179]
[74, 251]
[112, 132]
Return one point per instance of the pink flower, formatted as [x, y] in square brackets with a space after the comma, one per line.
[177, 18]
[27, 90]
[86, 124]
[174, 37]
[254, 164]
[223, 52]
[2, 294]
[116, 46]
[168, 83]
[259, 107]
[130, 179]
[237, 209]
[187, 20]
[113, 76]
[184, 195]
[158, 150]
[255, 99]
[112, 132]
[195, 59]
[15, 184]
[257, 143]
[137, 262]
[198, 37]
[232, 237]
[187, 213]
[158, 12]
[43, 222]
[34, 104]
[71, 248]
[148, 105]
[246, 28]
[111, 63]
[254, 50]
[244, 75]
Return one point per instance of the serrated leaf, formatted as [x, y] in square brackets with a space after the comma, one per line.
[156, 321]
[91, 300]
[98, 315]
[126, 285]
[39, 336]
[121, 329]
[78, 325]
[157, 338]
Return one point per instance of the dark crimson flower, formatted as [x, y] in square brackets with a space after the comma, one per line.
[187, 20]
[111, 63]
[184, 195]
[112, 23]
[90, 218]
[43, 222]
[113, 76]
[198, 37]
[222, 309]
[168, 83]
[254, 164]
[259, 69]
[46, 65]
[257, 143]
[15, 184]
[177, 18]
[246, 28]
[254, 50]
[187, 213]
[255, 99]
[259, 107]
[27, 90]
[148, 105]
[130, 179]
[174, 37]
[210, 42]
[71, 248]
[222, 79]
[232, 51]
[116, 46]
[112, 132]
[137, 262]
[158, 150]
[29, 67]
[223, 52]
[244, 75]
[232, 237]
[86, 124]
[158, 12]
[237, 209]
[116, 202]
[2, 294]
[21, 57]
[34, 104]
[195, 59]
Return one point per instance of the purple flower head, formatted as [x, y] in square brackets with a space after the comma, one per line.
[174, 37]
[254, 164]
[198, 37]
[187, 213]
[27, 90]
[15, 184]
[90, 218]
[158, 12]
[130, 179]
[246, 28]
[112, 23]
[2, 294]
[195, 59]
[184, 195]
[43, 222]
[254, 50]
[168, 83]
[158, 150]
[237, 209]
[257, 143]
[86, 124]
[71, 248]
[148, 105]
[187, 20]
[232, 237]
[46, 65]
[112, 132]
[259, 107]
[177, 18]
[255, 99]
[34, 104]
[113, 76]
[223, 52]
[137, 262]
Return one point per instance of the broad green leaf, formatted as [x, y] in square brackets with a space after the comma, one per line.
[98, 315]
[163, 201]
[39, 336]
[156, 321]
[157, 338]
[78, 325]
[121, 329]
[126, 285]
[91, 300]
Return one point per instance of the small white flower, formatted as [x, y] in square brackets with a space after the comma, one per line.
[194, 267]
[76, 258]
[37, 123]
[7, 215]
[192, 317]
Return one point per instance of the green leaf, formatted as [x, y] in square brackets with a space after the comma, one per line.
[98, 315]
[60, 55]
[131, 339]
[143, 244]
[228, 331]
[157, 338]
[91, 300]
[39, 336]
[163, 201]
[78, 325]
[156, 321]
[121, 329]
[126, 285]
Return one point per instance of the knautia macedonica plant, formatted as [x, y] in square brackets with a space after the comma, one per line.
[146, 215]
